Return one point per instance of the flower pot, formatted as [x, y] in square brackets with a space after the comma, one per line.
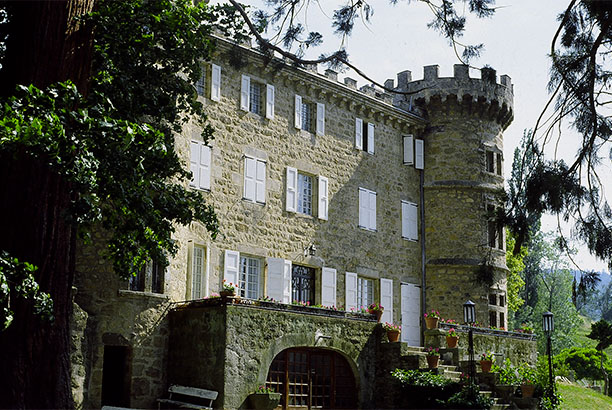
[264, 401]
[505, 391]
[528, 389]
[432, 361]
[451, 341]
[431, 322]
[485, 365]
[378, 314]
[393, 335]
[227, 293]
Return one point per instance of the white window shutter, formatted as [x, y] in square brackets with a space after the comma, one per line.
[363, 208]
[195, 162]
[372, 210]
[275, 283]
[408, 150]
[323, 200]
[370, 138]
[204, 167]
[260, 182]
[350, 294]
[231, 266]
[419, 154]
[291, 192]
[298, 112]
[320, 119]
[250, 172]
[328, 287]
[358, 133]
[413, 222]
[269, 101]
[405, 220]
[215, 89]
[287, 281]
[245, 90]
[386, 299]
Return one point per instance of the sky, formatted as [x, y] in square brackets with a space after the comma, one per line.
[517, 41]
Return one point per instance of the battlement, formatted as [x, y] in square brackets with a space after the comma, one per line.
[461, 88]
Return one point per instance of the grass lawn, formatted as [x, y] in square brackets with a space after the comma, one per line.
[581, 398]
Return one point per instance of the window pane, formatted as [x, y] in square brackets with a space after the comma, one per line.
[365, 292]
[306, 116]
[248, 277]
[201, 82]
[303, 284]
[157, 276]
[305, 194]
[255, 97]
[197, 272]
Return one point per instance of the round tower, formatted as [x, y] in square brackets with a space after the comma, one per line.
[463, 177]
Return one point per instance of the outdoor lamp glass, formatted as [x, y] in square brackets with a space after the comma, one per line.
[469, 312]
[548, 323]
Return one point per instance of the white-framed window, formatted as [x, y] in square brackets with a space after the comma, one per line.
[201, 156]
[408, 149]
[198, 270]
[201, 84]
[365, 292]
[254, 180]
[301, 194]
[249, 277]
[364, 136]
[367, 209]
[257, 97]
[410, 221]
[309, 116]
[304, 205]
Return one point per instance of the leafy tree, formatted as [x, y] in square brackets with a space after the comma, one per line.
[87, 142]
[602, 333]
[516, 266]
[583, 361]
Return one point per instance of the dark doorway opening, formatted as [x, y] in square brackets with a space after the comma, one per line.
[310, 378]
[115, 377]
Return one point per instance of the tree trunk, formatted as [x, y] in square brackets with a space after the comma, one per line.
[45, 45]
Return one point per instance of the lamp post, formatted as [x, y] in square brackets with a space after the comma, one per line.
[548, 325]
[469, 317]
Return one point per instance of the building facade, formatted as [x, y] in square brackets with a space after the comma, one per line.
[328, 196]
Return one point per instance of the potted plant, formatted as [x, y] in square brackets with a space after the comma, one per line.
[452, 338]
[393, 331]
[431, 319]
[486, 360]
[527, 378]
[264, 398]
[376, 309]
[507, 380]
[229, 289]
[433, 355]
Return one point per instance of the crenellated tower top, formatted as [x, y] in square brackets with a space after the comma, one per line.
[480, 96]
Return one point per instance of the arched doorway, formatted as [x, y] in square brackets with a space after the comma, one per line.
[310, 378]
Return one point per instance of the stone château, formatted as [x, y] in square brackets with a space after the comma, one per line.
[327, 195]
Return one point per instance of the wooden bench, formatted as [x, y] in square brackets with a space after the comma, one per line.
[187, 397]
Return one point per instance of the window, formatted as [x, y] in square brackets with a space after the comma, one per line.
[309, 116]
[249, 276]
[495, 230]
[254, 180]
[304, 194]
[502, 320]
[364, 136]
[502, 301]
[198, 270]
[256, 97]
[303, 284]
[493, 162]
[201, 84]
[215, 86]
[200, 165]
[150, 277]
[300, 193]
[493, 318]
[410, 221]
[492, 299]
[367, 209]
[365, 292]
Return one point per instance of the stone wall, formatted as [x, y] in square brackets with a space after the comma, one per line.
[229, 348]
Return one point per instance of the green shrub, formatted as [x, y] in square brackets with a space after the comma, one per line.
[508, 374]
[420, 378]
[469, 398]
